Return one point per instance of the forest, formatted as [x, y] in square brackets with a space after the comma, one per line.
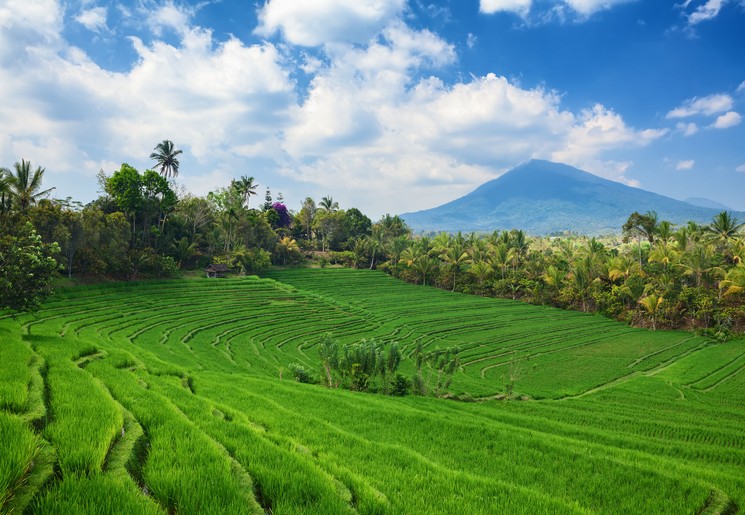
[145, 225]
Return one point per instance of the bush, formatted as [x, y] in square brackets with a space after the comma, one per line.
[400, 386]
[300, 374]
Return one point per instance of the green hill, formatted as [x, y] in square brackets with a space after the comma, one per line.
[176, 396]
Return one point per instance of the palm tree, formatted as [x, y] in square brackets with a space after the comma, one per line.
[165, 158]
[328, 205]
[455, 255]
[651, 303]
[5, 191]
[734, 281]
[24, 185]
[246, 187]
[480, 270]
[723, 229]
[285, 247]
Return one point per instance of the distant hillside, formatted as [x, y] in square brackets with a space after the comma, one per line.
[543, 198]
[705, 202]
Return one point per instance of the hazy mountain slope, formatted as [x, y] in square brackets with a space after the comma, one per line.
[542, 197]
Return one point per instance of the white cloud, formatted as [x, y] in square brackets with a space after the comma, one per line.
[471, 40]
[740, 168]
[168, 16]
[706, 11]
[727, 120]
[685, 165]
[93, 19]
[317, 22]
[521, 7]
[709, 105]
[688, 129]
[368, 117]
[741, 87]
[600, 129]
[588, 7]
[585, 8]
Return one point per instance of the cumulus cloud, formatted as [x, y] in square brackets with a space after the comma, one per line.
[314, 23]
[585, 8]
[370, 115]
[521, 7]
[595, 131]
[727, 120]
[685, 165]
[168, 16]
[588, 7]
[705, 12]
[687, 129]
[709, 105]
[93, 19]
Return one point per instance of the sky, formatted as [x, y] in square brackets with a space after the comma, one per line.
[389, 106]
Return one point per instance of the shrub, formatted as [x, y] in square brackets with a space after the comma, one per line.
[300, 374]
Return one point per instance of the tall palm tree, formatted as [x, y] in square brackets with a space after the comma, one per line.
[246, 187]
[327, 204]
[25, 185]
[455, 255]
[723, 229]
[165, 158]
[5, 191]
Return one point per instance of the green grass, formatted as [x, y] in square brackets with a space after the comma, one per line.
[175, 396]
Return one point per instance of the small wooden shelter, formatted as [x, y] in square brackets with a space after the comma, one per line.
[216, 270]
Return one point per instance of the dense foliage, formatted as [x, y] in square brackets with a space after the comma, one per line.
[656, 275]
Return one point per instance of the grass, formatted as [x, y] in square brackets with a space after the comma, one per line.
[174, 396]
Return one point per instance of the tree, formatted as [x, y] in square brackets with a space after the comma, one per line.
[246, 187]
[328, 350]
[5, 192]
[165, 158]
[639, 226]
[25, 185]
[327, 204]
[734, 281]
[308, 215]
[723, 229]
[27, 267]
[455, 255]
[652, 303]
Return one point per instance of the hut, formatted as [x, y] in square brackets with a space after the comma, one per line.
[216, 270]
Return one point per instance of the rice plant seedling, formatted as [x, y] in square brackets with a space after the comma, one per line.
[178, 396]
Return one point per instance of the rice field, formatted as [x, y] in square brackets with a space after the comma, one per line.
[177, 397]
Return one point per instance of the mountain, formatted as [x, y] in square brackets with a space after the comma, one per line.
[705, 202]
[541, 197]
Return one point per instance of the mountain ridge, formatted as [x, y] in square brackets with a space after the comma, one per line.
[541, 197]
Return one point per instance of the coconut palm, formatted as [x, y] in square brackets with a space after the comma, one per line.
[4, 191]
[327, 204]
[723, 229]
[455, 255]
[651, 304]
[246, 187]
[480, 270]
[25, 185]
[734, 281]
[165, 158]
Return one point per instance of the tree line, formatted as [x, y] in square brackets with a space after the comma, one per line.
[653, 274]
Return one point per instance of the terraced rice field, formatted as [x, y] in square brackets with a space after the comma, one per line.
[175, 396]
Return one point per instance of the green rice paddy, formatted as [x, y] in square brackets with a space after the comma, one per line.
[176, 397]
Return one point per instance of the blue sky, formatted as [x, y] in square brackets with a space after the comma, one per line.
[386, 105]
